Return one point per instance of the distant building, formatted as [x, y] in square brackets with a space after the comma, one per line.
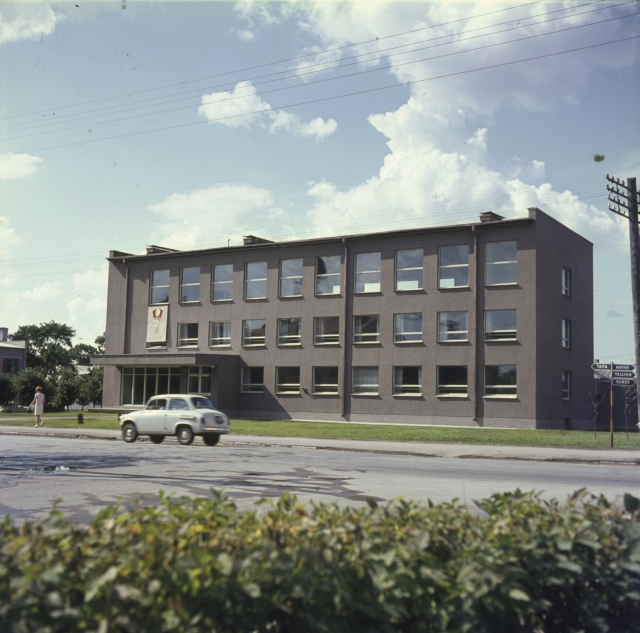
[483, 324]
[13, 354]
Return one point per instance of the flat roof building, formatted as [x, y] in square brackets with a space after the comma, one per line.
[484, 324]
[13, 354]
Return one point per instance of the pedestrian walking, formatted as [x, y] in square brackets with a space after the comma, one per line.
[38, 404]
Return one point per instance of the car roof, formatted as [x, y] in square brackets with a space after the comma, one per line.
[179, 395]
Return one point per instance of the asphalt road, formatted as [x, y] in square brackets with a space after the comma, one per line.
[88, 474]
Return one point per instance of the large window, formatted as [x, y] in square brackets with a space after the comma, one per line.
[407, 381]
[289, 332]
[255, 275]
[566, 333]
[10, 366]
[452, 380]
[366, 329]
[409, 269]
[159, 287]
[287, 379]
[500, 380]
[141, 383]
[501, 263]
[365, 381]
[566, 384]
[326, 330]
[252, 380]
[325, 380]
[407, 328]
[219, 333]
[454, 266]
[328, 275]
[200, 380]
[566, 282]
[222, 285]
[453, 326]
[500, 325]
[190, 285]
[368, 272]
[253, 332]
[187, 334]
[291, 278]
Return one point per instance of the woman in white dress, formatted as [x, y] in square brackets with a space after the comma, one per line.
[38, 404]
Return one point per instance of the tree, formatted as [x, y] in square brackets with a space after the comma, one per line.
[68, 387]
[6, 389]
[49, 345]
[80, 353]
[91, 387]
[100, 340]
[25, 383]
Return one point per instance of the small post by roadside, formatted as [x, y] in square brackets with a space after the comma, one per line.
[611, 408]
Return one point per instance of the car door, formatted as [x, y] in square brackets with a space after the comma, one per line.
[151, 420]
[179, 411]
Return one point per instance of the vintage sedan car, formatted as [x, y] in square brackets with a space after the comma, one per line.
[182, 415]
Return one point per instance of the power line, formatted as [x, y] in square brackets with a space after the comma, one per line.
[342, 96]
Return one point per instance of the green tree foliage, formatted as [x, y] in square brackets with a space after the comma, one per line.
[522, 565]
[67, 388]
[90, 390]
[6, 389]
[49, 345]
[100, 341]
[25, 383]
[81, 352]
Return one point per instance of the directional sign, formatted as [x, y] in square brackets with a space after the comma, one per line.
[623, 382]
[623, 374]
[627, 367]
[601, 366]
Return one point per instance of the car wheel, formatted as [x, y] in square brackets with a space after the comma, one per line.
[129, 433]
[185, 435]
[157, 439]
[211, 439]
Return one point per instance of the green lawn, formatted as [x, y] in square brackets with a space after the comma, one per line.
[383, 432]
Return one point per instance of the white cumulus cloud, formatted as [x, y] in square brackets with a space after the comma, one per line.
[18, 165]
[26, 21]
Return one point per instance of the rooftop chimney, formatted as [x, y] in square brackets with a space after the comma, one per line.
[152, 249]
[490, 216]
[4, 334]
[252, 239]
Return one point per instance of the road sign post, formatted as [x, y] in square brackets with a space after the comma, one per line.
[611, 408]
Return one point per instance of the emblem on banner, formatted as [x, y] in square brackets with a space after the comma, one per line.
[157, 325]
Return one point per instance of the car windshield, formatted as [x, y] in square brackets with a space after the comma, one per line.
[202, 403]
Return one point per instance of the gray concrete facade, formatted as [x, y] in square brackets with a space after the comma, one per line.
[13, 354]
[544, 248]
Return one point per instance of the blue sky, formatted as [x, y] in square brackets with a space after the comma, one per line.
[199, 158]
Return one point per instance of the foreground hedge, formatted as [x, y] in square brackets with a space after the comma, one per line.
[522, 565]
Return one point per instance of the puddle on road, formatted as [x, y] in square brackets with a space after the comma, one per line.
[40, 463]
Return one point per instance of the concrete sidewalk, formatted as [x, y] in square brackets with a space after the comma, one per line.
[459, 451]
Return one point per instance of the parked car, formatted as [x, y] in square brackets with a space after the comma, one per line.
[184, 416]
[15, 408]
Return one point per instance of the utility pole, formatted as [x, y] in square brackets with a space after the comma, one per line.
[625, 201]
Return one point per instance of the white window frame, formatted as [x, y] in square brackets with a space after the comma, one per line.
[291, 277]
[364, 388]
[420, 268]
[287, 387]
[327, 276]
[442, 267]
[188, 341]
[488, 263]
[512, 389]
[400, 388]
[334, 339]
[504, 335]
[254, 341]
[172, 374]
[566, 282]
[255, 280]
[451, 390]
[215, 283]
[359, 273]
[366, 338]
[246, 386]
[452, 336]
[290, 339]
[152, 286]
[566, 391]
[327, 388]
[397, 334]
[566, 333]
[219, 341]
[191, 284]
[201, 375]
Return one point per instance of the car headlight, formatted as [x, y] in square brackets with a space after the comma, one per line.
[219, 419]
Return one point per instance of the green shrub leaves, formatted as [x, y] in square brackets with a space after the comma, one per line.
[521, 564]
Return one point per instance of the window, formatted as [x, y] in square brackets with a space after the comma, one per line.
[366, 329]
[500, 380]
[156, 404]
[289, 332]
[368, 272]
[252, 380]
[566, 384]
[407, 381]
[141, 383]
[189, 285]
[409, 269]
[253, 332]
[501, 263]
[500, 325]
[187, 334]
[454, 266]
[255, 276]
[566, 333]
[325, 330]
[453, 326]
[219, 333]
[407, 328]
[200, 380]
[222, 289]
[328, 275]
[365, 381]
[178, 404]
[566, 282]
[291, 278]
[325, 380]
[10, 366]
[287, 379]
[159, 291]
[452, 380]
